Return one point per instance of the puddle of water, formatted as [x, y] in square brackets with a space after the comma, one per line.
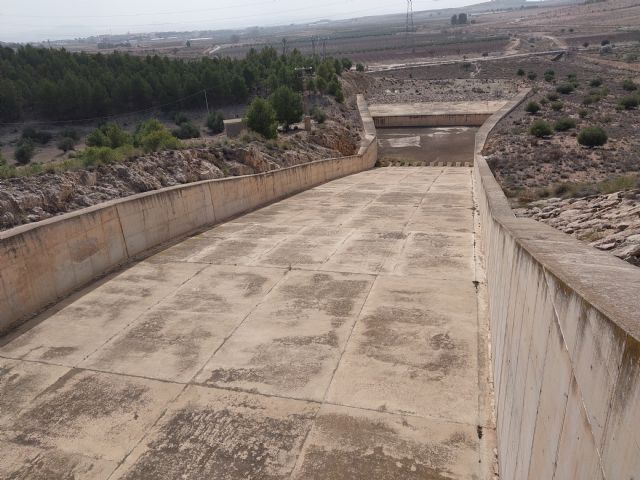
[442, 144]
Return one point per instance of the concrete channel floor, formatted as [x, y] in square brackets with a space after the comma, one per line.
[337, 334]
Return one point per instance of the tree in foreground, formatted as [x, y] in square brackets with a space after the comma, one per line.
[287, 105]
[215, 122]
[261, 118]
[592, 137]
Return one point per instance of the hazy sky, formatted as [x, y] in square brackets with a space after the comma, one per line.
[32, 20]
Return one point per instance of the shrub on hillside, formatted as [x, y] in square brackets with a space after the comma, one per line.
[109, 135]
[180, 118]
[186, 130]
[553, 96]
[215, 122]
[557, 106]
[596, 82]
[65, 144]
[360, 67]
[565, 88]
[563, 124]
[24, 151]
[532, 75]
[287, 105]
[152, 136]
[318, 114]
[630, 102]
[520, 72]
[540, 129]
[532, 108]
[38, 136]
[261, 118]
[629, 85]
[592, 137]
[71, 133]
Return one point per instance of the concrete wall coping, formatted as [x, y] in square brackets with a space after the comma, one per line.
[437, 108]
[609, 284]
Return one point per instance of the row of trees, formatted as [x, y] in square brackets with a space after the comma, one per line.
[459, 19]
[59, 85]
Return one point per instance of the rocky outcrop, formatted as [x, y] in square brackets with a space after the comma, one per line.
[607, 222]
[34, 198]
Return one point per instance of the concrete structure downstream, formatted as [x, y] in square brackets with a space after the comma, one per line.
[434, 114]
[352, 328]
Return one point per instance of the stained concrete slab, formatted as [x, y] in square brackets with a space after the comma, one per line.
[331, 335]
[353, 443]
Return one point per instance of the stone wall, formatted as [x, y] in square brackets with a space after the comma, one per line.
[41, 263]
[565, 333]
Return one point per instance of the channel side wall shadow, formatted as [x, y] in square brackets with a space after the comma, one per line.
[44, 262]
[565, 335]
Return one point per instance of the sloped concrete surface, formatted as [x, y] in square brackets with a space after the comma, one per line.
[337, 334]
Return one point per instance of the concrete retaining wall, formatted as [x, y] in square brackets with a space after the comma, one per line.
[565, 331]
[449, 120]
[43, 262]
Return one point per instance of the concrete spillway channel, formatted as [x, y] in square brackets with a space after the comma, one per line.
[340, 332]
[333, 334]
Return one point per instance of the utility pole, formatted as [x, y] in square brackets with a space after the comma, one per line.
[206, 100]
[409, 28]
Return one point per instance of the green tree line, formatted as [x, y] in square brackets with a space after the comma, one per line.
[60, 85]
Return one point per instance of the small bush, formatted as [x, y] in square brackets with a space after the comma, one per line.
[65, 144]
[565, 88]
[532, 76]
[532, 107]
[540, 129]
[360, 67]
[629, 85]
[71, 133]
[186, 130]
[585, 44]
[549, 77]
[553, 96]
[42, 137]
[583, 113]
[520, 72]
[215, 122]
[557, 106]
[596, 82]
[592, 137]
[563, 124]
[24, 152]
[180, 118]
[152, 136]
[109, 135]
[630, 102]
[318, 115]
[605, 41]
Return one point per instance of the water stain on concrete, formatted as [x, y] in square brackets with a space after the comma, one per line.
[326, 293]
[239, 442]
[63, 408]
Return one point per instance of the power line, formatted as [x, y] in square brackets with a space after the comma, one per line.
[409, 28]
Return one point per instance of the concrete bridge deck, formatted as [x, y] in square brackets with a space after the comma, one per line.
[335, 334]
